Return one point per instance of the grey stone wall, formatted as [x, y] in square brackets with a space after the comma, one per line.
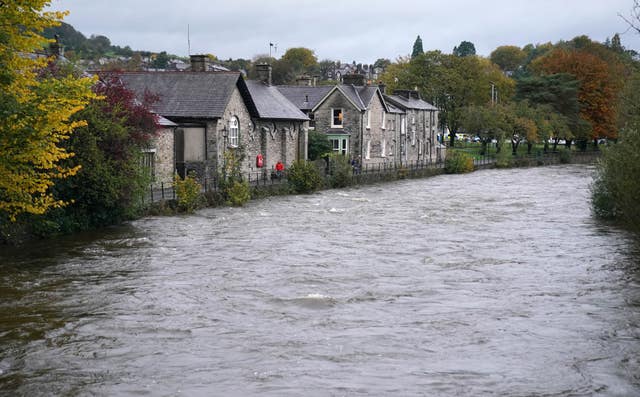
[281, 140]
[164, 156]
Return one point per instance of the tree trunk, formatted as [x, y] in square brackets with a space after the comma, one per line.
[452, 139]
[546, 145]
[529, 146]
[555, 144]
[483, 148]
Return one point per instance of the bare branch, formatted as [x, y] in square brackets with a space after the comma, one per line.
[634, 19]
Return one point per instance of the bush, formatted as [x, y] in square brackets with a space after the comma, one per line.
[188, 193]
[304, 177]
[341, 171]
[458, 162]
[504, 158]
[615, 191]
[238, 193]
[565, 156]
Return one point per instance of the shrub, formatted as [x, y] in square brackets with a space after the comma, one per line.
[504, 158]
[234, 191]
[615, 191]
[565, 156]
[238, 193]
[304, 177]
[188, 193]
[458, 162]
[341, 171]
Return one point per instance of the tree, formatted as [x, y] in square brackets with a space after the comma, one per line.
[485, 122]
[417, 47]
[36, 110]
[508, 57]
[382, 63]
[302, 59]
[558, 95]
[598, 90]
[465, 49]
[450, 82]
[633, 20]
[109, 187]
[161, 61]
[319, 145]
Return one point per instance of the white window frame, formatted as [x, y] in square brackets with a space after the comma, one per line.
[340, 144]
[403, 125]
[384, 120]
[367, 153]
[341, 118]
[367, 115]
[383, 148]
[234, 132]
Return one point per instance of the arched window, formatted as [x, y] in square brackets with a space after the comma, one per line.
[234, 132]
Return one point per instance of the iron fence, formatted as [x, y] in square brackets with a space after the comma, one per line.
[377, 172]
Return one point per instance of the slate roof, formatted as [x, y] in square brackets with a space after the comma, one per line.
[409, 103]
[267, 102]
[394, 109]
[304, 97]
[360, 95]
[186, 94]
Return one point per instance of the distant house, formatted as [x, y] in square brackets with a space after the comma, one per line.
[416, 129]
[216, 112]
[363, 123]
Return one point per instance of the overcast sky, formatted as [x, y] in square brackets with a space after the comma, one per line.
[346, 30]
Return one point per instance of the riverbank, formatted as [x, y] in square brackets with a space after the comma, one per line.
[162, 202]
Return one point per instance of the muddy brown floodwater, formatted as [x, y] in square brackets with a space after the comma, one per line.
[497, 283]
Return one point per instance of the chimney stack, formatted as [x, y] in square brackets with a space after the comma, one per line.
[382, 87]
[198, 63]
[264, 72]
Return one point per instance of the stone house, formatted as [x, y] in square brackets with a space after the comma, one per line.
[218, 112]
[352, 115]
[414, 124]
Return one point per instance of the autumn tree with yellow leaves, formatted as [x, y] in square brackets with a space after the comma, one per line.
[36, 111]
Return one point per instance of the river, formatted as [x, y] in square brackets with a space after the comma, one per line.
[496, 283]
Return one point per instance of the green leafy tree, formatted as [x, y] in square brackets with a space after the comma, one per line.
[508, 57]
[319, 145]
[417, 47]
[301, 59]
[465, 49]
[450, 82]
[36, 112]
[161, 61]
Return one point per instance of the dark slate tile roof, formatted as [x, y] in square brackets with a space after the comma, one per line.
[270, 103]
[304, 97]
[409, 103]
[185, 94]
[394, 109]
[360, 95]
